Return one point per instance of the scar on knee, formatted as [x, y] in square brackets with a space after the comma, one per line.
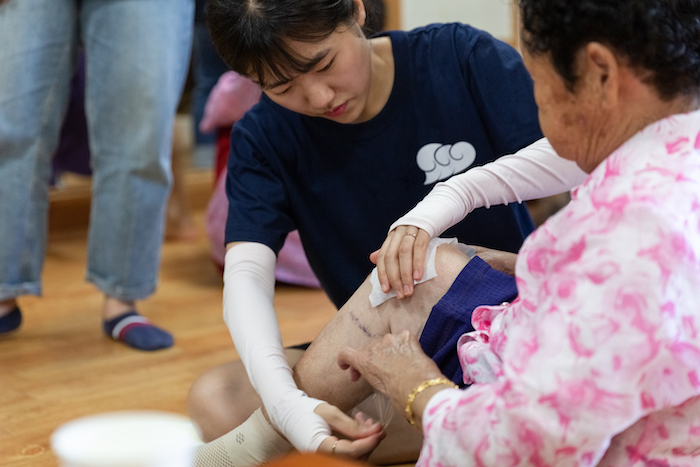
[361, 326]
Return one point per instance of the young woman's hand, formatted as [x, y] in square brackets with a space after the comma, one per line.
[401, 259]
[360, 437]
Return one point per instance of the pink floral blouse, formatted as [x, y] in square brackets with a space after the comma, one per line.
[598, 360]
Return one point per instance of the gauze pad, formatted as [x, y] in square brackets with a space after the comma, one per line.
[377, 296]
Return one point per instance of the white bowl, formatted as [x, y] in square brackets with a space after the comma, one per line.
[126, 439]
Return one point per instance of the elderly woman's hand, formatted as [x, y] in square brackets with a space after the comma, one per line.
[401, 259]
[394, 365]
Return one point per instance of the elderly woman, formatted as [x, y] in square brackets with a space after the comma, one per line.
[597, 361]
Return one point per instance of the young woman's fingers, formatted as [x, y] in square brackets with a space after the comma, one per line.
[340, 422]
[354, 449]
[405, 260]
[364, 419]
[386, 261]
[400, 260]
[360, 448]
[392, 261]
[411, 258]
[379, 260]
[420, 248]
[373, 256]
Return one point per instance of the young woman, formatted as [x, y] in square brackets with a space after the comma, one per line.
[350, 133]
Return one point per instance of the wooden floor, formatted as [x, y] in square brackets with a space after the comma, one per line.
[60, 366]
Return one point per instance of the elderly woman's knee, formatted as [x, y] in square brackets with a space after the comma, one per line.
[206, 386]
[449, 259]
[221, 399]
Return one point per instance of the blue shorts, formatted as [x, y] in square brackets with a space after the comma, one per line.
[477, 284]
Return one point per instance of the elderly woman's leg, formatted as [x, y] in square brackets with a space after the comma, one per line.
[357, 323]
[225, 391]
[223, 398]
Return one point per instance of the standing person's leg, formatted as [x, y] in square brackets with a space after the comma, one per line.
[37, 56]
[207, 68]
[137, 54]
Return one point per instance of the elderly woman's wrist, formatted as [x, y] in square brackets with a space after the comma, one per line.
[418, 398]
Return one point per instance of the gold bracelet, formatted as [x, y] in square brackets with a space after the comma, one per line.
[420, 388]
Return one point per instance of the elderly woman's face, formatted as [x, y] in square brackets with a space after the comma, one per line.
[569, 120]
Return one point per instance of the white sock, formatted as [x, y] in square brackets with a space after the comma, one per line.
[254, 442]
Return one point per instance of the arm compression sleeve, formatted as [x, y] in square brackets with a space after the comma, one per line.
[534, 172]
[249, 287]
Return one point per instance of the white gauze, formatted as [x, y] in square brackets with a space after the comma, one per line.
[377, 296]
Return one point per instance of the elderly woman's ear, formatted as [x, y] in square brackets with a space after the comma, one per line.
[599, 68]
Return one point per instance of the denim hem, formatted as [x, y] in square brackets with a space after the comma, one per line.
[14, 291]
[122, 293]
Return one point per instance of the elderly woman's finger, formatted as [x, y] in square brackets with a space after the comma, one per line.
[393, 365]
[348, 359]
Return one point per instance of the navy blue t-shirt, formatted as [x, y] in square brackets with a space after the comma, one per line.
[460, 98]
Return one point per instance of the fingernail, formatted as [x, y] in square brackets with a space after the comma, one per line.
[406, 290]
[399, 294]
[416, 274]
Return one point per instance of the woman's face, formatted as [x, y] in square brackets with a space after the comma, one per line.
[337, 88]
[571, 121]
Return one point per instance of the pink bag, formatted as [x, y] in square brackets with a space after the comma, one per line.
[231, 97]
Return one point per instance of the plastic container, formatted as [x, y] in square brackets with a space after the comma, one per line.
[126, 439]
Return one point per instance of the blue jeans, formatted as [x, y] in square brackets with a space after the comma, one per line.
[137, 54]
[207, 69]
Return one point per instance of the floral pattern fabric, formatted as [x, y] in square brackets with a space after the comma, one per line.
[597, 362]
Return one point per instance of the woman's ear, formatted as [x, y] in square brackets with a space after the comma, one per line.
[361, 12]
[601, 70]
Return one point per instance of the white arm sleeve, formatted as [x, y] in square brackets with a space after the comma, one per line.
[249, 287]
[534, 172]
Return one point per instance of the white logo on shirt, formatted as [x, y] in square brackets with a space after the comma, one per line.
[440, 161]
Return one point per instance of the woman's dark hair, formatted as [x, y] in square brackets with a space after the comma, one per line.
[251, 35]
[657, 36]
